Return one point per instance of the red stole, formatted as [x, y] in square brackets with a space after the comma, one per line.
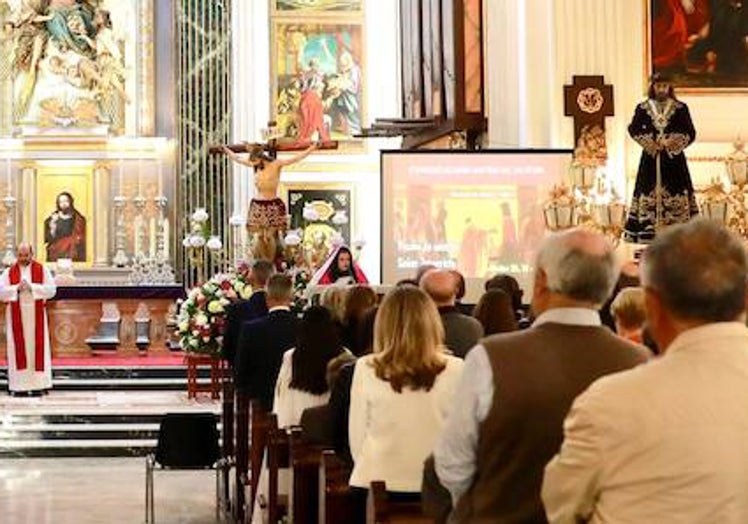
[37, 277]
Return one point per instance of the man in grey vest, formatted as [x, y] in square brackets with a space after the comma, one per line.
[668, 442]
[517, 387]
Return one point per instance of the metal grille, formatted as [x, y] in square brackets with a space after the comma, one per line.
[204, 119]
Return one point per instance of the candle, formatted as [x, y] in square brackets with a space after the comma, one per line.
[138, 233]
[121, 188]
[8, 173]
[165, 226]
[160, 175]
[140, 172]
[152, 236]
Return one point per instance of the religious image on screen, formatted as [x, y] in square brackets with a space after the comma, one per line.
[479, 213]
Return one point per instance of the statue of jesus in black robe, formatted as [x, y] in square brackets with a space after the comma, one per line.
[664, 193]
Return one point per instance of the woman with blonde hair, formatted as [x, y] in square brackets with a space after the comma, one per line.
[628, 312]
[401, 393]
[333, 298]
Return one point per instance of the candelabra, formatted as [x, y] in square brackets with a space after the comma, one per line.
[120, 258]
[10, 230]
[198, 240]
[140, 228]
[161, 202]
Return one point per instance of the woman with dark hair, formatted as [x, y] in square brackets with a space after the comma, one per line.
[340, 268]
[360, 299]
[495, 312]
[302, 380]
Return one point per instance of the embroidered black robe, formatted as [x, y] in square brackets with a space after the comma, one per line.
[677, 203]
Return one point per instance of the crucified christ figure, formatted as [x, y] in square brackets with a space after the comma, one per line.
[267, 220]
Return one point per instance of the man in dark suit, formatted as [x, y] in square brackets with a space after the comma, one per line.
[245, 310]
[263, 341]
[461, 332]
[516, 389]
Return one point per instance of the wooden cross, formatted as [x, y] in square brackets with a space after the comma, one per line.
[588, 100]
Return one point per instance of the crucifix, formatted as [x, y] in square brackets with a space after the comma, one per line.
[589, 100]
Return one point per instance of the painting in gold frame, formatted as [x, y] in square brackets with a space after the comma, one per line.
[331, 201]
[700, 44]
[336, 7]
[65, 209]
[318, 81]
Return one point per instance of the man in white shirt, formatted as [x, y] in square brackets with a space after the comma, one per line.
[516, 389]
[668, 442]
[25, 287]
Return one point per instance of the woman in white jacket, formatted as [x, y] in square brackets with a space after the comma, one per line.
[401, 394]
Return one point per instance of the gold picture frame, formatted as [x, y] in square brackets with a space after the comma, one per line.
[335, 8]
[312, 59]
[698, 74]
[78, 182]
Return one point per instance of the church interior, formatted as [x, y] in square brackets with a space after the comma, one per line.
[193, 191]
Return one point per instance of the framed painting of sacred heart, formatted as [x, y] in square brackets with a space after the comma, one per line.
[318, 81]
[701, 44]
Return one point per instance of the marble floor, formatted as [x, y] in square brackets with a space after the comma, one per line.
[100, 490]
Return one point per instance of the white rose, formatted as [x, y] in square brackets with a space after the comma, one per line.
[340, 218]
[194, 343]
[310, 214]
[197, 241]
[214, 244]
[337, 239]
[292, 239]
[201, 320]
[187, 242]
[206, 339]
[184, 326]
[200, 215]
[246, 292]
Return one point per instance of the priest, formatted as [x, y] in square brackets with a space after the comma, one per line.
[26, 286]
[664, 193]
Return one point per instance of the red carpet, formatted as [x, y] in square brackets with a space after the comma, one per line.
[176, 359]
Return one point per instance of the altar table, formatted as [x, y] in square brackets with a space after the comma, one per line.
[76, 313]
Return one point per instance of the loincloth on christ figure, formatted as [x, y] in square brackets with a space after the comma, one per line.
[267, 214]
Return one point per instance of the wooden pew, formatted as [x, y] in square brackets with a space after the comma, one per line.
[335, 501]
[305, 464]
[277, 458]
[227, 424]
[381, 510]
[241, 454]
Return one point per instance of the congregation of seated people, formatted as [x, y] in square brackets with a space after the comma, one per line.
[615, 395]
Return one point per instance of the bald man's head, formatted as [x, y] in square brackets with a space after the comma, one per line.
[580, 265]
[24, 253]
[441, 286]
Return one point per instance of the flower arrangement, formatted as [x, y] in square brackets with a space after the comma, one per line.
[202, 315]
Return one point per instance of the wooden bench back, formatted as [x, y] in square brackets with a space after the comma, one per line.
[382, 510]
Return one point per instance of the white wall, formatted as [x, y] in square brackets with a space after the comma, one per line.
[251, 92]
[534, 47]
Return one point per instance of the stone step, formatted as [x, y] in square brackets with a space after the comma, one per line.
[90, 423]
